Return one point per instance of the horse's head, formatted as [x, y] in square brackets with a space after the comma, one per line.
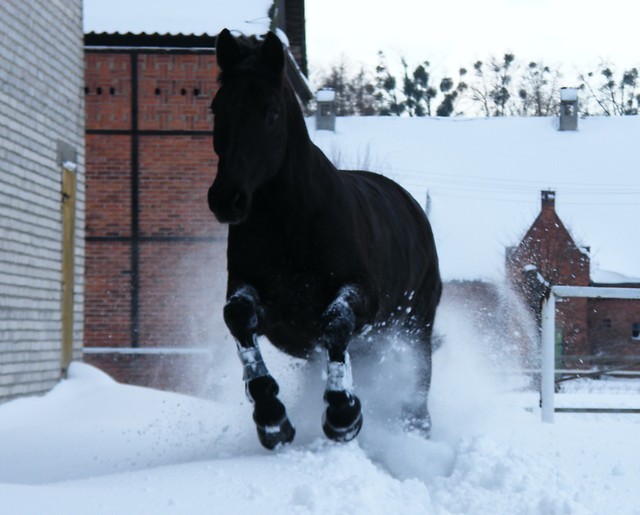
[249, 132]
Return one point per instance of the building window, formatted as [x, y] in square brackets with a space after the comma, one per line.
[606, 323]
[635, 331]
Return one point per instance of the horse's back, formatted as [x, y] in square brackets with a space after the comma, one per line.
[397, 237]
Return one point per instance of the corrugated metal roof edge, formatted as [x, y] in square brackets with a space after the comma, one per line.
[143, 39]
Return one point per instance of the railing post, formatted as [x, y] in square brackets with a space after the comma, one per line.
[547, 381]
[548, 334]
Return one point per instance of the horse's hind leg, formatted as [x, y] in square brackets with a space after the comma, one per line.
[241, 314]
[416, 411]
[342, 419]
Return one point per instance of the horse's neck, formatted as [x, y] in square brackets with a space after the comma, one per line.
[305, 175]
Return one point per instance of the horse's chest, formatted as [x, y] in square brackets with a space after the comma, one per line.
[294, 294]
[292, 287]
[289, 273]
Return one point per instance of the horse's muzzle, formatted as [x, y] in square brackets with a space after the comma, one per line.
[231, 208]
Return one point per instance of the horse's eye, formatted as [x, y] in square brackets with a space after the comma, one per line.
[272, 117]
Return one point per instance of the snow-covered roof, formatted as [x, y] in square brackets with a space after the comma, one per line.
[326, 95]
[607, 277]
[569, 94]
[139, 16]
[484, 176]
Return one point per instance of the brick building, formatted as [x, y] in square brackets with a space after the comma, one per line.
[41, 193]
[148, 231]
[156, 266]
[589, 331]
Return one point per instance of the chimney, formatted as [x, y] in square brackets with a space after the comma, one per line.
[326, 113]
[548, 198]
[568, 109]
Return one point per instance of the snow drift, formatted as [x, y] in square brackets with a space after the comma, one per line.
[95, 446]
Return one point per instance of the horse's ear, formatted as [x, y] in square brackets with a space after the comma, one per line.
[227, 50]
[272, 53]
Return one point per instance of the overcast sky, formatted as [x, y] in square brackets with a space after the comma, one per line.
[450, 34]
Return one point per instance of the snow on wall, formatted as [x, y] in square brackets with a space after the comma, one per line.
[41, 104]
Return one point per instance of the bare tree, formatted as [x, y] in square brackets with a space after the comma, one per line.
[500, 92]
[451, 94]
[386, 90]
[611, 97]
[492, 85]
[538, 91]
[480, 89]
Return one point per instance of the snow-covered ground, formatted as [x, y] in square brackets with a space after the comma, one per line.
[94, 446]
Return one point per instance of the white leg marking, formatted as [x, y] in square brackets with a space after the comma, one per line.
[339, 376]
[252, 363]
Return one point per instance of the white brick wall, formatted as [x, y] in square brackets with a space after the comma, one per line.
[41, 103]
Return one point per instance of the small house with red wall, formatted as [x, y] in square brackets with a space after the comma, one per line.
[599, 332]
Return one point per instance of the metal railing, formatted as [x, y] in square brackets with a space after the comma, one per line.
[547, 383]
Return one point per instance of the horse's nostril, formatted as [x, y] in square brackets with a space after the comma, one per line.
[239, 202]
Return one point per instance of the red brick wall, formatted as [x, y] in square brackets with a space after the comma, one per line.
[178, 373]
[107, 319]
[174, 178]
[108, 202]
[549, 246]
[108, 91]
[572, 320]
[179, 248]
[181, 290]
[175, 91]
[613, 338]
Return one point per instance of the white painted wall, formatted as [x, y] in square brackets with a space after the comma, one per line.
[41, 103]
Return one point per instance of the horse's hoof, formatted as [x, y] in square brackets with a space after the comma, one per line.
[342, 422]
[420, 427]
[277, 435]
[418, 421]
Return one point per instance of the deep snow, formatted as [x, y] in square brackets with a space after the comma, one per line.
[94, 446]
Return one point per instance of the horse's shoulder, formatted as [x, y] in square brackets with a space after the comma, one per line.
[362, 178]
[374, 185]
[363, 175]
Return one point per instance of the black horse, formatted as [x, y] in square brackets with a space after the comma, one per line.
[315, 255]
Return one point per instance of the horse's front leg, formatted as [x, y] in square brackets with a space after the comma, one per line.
[242, 315]
[342, 419]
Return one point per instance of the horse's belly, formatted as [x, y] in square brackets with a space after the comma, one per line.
[297, 342]
[293, 322]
